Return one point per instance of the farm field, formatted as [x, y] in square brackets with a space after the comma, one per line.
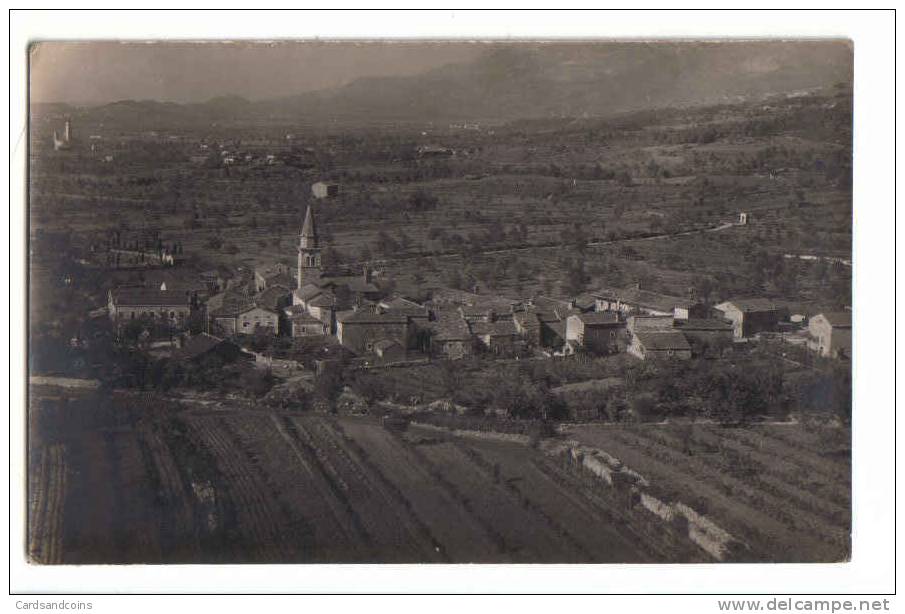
[784, 490]
[532, 308]
[511, 212]
[257, 486]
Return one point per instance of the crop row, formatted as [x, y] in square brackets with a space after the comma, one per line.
[177, 525]
[46, 506]
[385, 517]
[768, 513]
[763, 473]
[257, 516]
[821, 488]
[659, 541]
[135, 527]
[524, 534]
[325, 529]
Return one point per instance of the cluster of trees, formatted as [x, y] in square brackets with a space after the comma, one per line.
[576, 278]
[715, 390]
[510, 391]
[208, 373]
[830, 282]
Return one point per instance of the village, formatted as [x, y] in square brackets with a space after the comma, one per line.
[292, 342]
[349, 311]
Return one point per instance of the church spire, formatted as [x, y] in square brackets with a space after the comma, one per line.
[309, 261]
[308, 237]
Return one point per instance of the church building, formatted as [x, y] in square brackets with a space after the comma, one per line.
[323, 294]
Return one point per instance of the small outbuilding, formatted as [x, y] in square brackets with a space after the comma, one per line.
[323, 189]
[660, 345]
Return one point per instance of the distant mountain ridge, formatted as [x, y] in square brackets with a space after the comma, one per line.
[543, 80]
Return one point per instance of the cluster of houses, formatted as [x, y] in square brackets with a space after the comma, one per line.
[250, 153]
[142, 249]
[348, 307]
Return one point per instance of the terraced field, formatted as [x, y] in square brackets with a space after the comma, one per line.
[242, 486]
[784, 490]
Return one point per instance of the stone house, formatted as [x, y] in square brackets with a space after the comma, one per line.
[540, 325]
[171, 306]
[634, 300]
[450, 336]
[750, 316]
[272, 275]
[660, 346]
[324, 189]
[831, 334]
[362, 328]
[274, 298]
[417, 312]
[303, 324]
[598, 332]
[649, 323]
[528, 325]
[242, 317]
[498, 337]
[255, 318]
[706, 336]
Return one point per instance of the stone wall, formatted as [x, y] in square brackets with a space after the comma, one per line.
[702, 531]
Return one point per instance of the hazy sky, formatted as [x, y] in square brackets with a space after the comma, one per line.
[98, 72]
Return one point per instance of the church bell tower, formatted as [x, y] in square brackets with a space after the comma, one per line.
[309, 251]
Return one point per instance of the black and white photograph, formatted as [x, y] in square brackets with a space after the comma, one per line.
[439, 301]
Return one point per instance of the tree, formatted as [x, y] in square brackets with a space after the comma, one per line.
[329, 385]
[577, 278]
[370, 388]
[256, 381]
[295, 398]
[450, 378]
[644, 407]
